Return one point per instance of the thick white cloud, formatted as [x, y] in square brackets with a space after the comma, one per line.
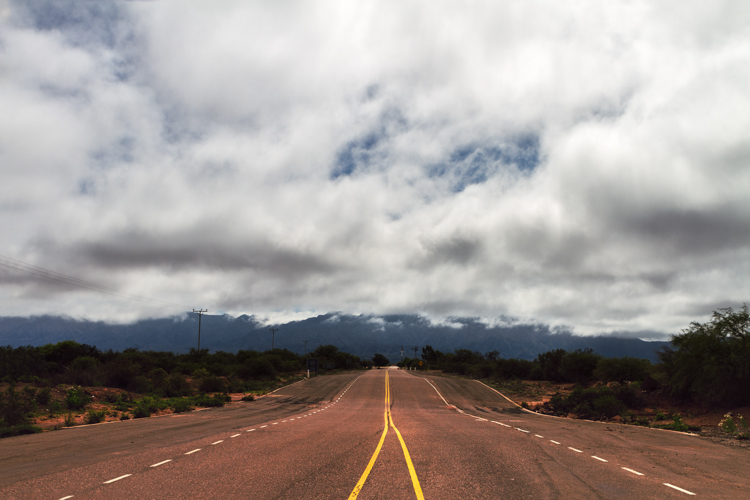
[584, 165]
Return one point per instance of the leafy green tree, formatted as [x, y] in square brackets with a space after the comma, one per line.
[710, 361]
[380, 360]
[578, 366]
[622, 369]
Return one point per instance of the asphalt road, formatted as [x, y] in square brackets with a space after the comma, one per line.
[379, 434]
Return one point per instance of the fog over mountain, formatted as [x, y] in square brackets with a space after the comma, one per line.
[361, 335]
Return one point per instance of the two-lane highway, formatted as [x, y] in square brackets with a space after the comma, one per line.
[367, 435]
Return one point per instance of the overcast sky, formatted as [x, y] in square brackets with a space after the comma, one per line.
[581, 164]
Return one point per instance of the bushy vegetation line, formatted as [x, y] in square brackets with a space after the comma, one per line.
[179, 382]
[707, 363]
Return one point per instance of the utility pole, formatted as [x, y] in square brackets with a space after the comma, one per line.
[273, 336]
[200, 314]
[415, 351]
[305, 341]
[402, 353]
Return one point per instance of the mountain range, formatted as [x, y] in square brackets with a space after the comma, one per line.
[362, 335]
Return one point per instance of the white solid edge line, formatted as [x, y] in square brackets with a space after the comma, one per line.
[679, 489]
[191, 452]
[217, 442]
[600, 459]
[579, 451]
[117, 479]
[633, 471]
[554, 442]
[161, 463]
[235, 435]
[438, 392]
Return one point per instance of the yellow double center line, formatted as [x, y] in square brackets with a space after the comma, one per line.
[387, 418]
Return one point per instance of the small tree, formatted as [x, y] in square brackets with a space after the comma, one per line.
[380, 360]
[710, 361]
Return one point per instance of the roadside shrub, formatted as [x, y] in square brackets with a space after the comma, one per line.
[483, 370]
[42, 397]
[213, 401]
[578, 366]
[248, 397]
[84, 370]
[77, 399]
[94, 417]
[15, 408]
[609, 406]
[257, 368]
[594, 402]
[180, 405]
[158, 378]
[622, 369]
[70, 420]
[19, 430]
[212, 383]
[141, 384]
[177, 385]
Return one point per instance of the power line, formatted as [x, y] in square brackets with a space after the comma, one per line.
[48, 274]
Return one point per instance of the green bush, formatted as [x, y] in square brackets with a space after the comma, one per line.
[18, 430]
[212, 383]
[94, 417]
[42, 397]
[595, 402]
[622, 369]
[15, 408]
[180, 405]
[77, 399]
[608, 406]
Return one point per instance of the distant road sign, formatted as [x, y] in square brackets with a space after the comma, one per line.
[420, 363]
[312, 365]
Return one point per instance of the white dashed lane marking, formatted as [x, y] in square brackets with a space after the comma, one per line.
[161, 463]
[191, 452]
[633, 471]
[679, 489]
[235, 435]
[597, 458]
[577, 451]
[117, 479]
[66, 498]
[217, 442]
[554, 441]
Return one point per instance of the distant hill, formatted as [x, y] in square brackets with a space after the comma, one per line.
[360, 335]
